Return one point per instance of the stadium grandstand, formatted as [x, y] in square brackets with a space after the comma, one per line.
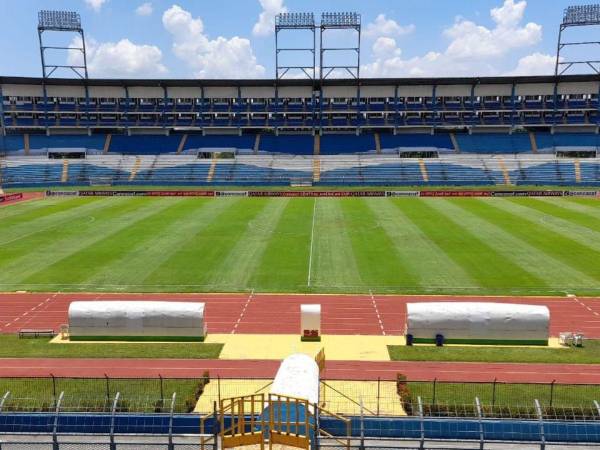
[479, 131]
[475, 131]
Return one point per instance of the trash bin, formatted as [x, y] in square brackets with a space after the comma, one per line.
[439, 340]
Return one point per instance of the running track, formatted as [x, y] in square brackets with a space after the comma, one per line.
[280, 314]
[344, 370]
[276, 314]
[26, 197]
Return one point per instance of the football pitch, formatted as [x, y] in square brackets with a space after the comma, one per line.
[506, 246]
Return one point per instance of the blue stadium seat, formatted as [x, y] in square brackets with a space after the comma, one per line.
[494, 143]
[441, 141]
[335, 144]
[300, 144]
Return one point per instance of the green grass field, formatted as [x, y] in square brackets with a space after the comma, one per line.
[13, 347]
[589, 354]
[411, 245]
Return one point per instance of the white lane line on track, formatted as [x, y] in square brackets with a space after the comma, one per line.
[42, 303]
[312, 235]
[585, 306]
[377, 312]
[243, 312]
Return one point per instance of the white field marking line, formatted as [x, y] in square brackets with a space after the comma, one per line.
[377, 312]
[586, 306]
[312, 235]
[42, 303]
[243, 312]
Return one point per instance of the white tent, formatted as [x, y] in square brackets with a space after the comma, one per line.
[473, 322]
[142, 320]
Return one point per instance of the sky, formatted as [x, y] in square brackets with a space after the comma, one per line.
[235, 38]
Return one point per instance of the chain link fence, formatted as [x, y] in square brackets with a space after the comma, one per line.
[120, 413]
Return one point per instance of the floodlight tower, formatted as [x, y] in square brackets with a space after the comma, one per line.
[61, 21]
[295, 22]
[577, 16]
[340, 21]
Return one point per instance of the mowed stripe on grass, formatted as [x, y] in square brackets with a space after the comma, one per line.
[418, 250]
[238, 266]
[476, 246]
[517, 242]
[170, 233]
[38, 249]
[81, 258]
[333, 262]
[196, 263]
[470, 248]
[284, 262]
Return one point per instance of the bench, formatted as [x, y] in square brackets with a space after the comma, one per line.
[27, 332]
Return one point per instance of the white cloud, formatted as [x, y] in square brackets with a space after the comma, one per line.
[386, 47]
[96, 5]
[470, 40]
[216, 58]
[386, 27]
[120, 59]
[473, 49]
[145, 9]
[266, 19]
[535, 64]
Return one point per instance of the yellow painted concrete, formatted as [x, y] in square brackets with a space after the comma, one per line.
[338, 397]
[341, 348]
[229, 388]
[343, 397]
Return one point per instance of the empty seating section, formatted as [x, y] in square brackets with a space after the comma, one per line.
[336, 144]
[263, 169]
[440, 141]
[548, 142]
[41, 142]
[12, 143]
[343, 159]
[552, 172]
[144, 145]
[194, 142]
[301, 144]
[494, 143]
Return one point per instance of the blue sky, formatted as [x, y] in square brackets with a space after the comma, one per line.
[230, 38]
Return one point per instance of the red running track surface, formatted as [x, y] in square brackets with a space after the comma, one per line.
[340, 370]
[26, 197]
[280, 314]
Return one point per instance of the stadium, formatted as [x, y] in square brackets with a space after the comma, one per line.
[321, 261]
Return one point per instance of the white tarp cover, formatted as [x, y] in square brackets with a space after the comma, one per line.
[136, 318]
[310, 318]
[486, 321]
[298, 376]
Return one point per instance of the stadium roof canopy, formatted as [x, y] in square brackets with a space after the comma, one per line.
[298, 82]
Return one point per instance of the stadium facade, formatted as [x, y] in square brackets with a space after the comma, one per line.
[426, 105]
